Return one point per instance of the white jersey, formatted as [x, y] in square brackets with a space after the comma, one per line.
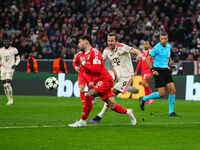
[120, 59]
[7, 58]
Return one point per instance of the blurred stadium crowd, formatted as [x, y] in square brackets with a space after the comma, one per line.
[49, 28]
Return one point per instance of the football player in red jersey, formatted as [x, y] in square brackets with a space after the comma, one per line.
[81, 73]
[100, 81]
[145, 70]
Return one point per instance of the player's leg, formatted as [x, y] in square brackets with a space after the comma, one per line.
[87, 107]
[160, 84]
[118, 88]
[171, 98]
[145, 84]
[120, 109]
[100, 115]
[172, 93]
[8, 91]
[126, 85]
[6, 77]
[106, 94]
[81, 84]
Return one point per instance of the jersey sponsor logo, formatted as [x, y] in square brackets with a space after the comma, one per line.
[192, 89]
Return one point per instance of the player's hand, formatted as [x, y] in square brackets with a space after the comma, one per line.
[91, 84]
[139, 57]
[135, 73]
[155, 73]
[14, 66]
[77, 68]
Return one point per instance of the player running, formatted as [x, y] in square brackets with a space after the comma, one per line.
[9, 58]
[119, 56]
[145, 70]
[101, 82]
[162, 75]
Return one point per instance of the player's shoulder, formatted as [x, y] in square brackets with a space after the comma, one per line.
[106, 50]
[157, 46]
[79, 53]
[121, 45]
[95, 50]
[169, 45]
[14, 49]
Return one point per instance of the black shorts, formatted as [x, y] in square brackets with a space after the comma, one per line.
[163, 78]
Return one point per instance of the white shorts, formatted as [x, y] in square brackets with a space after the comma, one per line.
[123, 83]
[7, 75]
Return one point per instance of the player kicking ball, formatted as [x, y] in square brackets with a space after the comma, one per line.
[122, 72]
[100, 81]
[9, 58]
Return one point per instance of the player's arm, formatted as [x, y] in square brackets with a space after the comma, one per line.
[138, 67]
[136, 52]
[149, 61]
[105, 54]
[17, 59]
[75, 61]
[95, 64]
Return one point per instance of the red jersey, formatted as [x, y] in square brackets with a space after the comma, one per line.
[94, 66]
[77, 60]
[143, 64]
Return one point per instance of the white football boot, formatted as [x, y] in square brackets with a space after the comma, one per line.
[131, 116]
[80, 123]
[10, 102]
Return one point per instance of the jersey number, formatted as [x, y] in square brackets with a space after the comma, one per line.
[116, 61]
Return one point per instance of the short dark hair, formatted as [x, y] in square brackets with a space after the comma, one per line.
[163, 33]
[146, 38]
[85, 37]
[113, 34]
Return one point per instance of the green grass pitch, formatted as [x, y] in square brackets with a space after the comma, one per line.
[39, 123]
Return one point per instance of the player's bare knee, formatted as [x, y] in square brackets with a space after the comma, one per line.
[111, 105]
[6, 85]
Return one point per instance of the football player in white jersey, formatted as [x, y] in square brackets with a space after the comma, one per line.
[9, 58]
[122, 68]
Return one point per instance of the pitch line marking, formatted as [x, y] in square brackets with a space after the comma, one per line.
[122, 124]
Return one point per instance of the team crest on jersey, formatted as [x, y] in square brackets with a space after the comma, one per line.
[88, 57]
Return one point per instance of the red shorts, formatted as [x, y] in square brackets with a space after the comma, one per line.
[81, 79]
[146, 76]
[104, 88]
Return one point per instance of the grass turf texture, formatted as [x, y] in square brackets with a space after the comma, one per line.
[39, 123]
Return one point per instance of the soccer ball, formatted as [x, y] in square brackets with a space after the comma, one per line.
[51, 83]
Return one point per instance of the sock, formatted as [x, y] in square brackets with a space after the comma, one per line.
[120, 109]
[6, 91]
[171, 100]
[82, 96]
[104, 109]
[153, 95]
[10, 92]
[147, 90]
[87, 107]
